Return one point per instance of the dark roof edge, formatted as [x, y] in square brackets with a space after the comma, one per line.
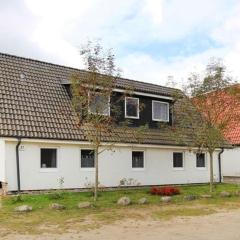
[77, 140]
[236, 145]
[78, 69]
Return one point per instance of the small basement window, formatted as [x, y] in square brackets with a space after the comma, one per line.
[99, 104]
[178, 160]
[87, 158]
[160, 111]
[132, 107]
[200, 160]
[48, 158]
[137, 159]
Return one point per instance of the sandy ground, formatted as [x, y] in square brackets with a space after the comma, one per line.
[219, 226]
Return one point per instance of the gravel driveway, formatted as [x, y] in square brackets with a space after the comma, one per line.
[218, 226]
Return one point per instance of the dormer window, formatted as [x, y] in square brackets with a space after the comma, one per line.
[132, 107]
[160, 111]
[99, 104]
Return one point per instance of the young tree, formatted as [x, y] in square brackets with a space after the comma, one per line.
[208, 109]
[92, 93]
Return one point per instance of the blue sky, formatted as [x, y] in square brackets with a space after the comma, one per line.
[192, 44]
[152, 39]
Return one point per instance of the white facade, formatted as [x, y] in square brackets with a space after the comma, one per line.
[2, 160]
[231, 162]
[113, 166]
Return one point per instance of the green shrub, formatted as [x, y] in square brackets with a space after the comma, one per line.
[16, 199]
[55, 195]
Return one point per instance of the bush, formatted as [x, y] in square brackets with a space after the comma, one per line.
[55, 195]
[164, 191]
[17, 199]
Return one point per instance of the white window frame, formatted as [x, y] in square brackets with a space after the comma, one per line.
[126, 116]
[201, 168]
[109, 107]
[46, 170]
[87, 169]
[160, 120]
[179, 168]
[144, 161]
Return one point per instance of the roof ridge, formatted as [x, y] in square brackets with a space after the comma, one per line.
[40, 61]
[78, 69]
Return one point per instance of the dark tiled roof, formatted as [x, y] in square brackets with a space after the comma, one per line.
[35, 104]
[133, 85]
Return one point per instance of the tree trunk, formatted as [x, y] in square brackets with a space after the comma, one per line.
[211, 171]
[96, 176]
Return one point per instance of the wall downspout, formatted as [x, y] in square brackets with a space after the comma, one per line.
[18, 165]
[220, 164]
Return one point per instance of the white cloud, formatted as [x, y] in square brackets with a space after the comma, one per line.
[53, 30]
[145, 68]
[16, 25]
[153, 8]
[64, 25]
[228, 35]
[180, 18]
[58, 9]
[224, 31]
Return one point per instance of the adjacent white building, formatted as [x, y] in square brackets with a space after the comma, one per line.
[231, 157]
[231, 165]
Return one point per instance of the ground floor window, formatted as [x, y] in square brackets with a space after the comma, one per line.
[48, 158]
[200, 160]
[87, 158]
[178, 160]
[137, 159]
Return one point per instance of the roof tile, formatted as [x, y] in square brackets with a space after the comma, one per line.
[38, 105]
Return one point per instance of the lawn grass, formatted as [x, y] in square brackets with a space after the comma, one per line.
[105, 210]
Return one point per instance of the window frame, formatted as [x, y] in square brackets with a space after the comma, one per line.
[205, 161]
[160, 120]
[183, 161]
[103, 114]
[132, 117]
[138, 168]
[55, 169]
[87, 169]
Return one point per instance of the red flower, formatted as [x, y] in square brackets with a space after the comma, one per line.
[164, 191]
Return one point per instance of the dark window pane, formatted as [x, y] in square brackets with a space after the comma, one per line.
[87, 158]
[137, 159]
[48, 158]
[99, 104]
[160, 111]
[177, 160]
[132, 107]
[200, 159]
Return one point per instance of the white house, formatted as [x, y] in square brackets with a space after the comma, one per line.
[231, 157]
[40, 142]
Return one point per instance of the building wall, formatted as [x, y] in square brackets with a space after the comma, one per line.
[145, 115]
[231, 162]
[2, 160]
[113, 166]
